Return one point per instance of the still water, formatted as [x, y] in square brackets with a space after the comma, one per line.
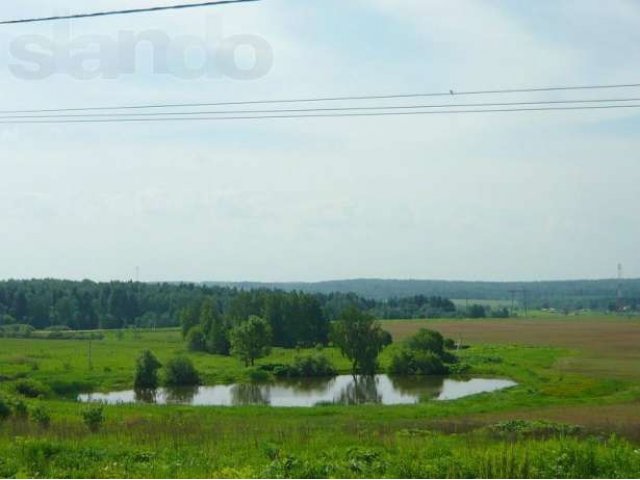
[307, 392]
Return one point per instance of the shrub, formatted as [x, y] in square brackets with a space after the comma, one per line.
[20, 410]
[315, 365]
[449, 343]
[180, 372]
[93, 417]
[146, 376]
[18, 330]
[31, 388]
[427, 340]
[412, 362]
[258, 375]
[5, 409]
[196, 339]
[71, 388]
[41, 416]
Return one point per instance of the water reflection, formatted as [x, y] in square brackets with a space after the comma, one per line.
[250, 394]
[145, 395]
[361, 390]
[181, 395]
[343, 389]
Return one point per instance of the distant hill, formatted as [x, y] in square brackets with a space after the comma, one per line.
[596, 294]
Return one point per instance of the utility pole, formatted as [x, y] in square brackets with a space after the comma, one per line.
[619, 304]
[90, 352]
[513, 300]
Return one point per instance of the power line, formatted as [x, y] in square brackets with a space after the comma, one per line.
[124, 12]
[325, 109]
[328, 99]
[116, 119]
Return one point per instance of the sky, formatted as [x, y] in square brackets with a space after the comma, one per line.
[517, 196]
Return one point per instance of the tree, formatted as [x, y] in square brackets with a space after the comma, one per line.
[361, 339]
[146, 376]
[180, 372]
[189, 318]
[215, 329]
[196, 339]
[477, 311]
[251, 340]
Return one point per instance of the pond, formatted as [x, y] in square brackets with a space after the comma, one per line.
[308, 392]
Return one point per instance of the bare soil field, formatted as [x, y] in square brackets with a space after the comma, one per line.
[604, 346]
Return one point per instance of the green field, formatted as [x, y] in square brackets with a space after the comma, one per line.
[581, 372]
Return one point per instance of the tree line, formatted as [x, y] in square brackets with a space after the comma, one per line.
[295, 317]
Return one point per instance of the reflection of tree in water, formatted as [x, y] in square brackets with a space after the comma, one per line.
[250, 394]
[181, 395]
[362, 389]
[307, 385]
[424, 386]
[145, 395]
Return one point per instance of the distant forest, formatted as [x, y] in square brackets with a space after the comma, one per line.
[89, 305]
[569, 295]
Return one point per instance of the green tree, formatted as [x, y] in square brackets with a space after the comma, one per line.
[215, 329]
[477, 311]
[196, 339]
[189, 318]
[251, 340]
[180, 372]
[361, 339]
[146, 376]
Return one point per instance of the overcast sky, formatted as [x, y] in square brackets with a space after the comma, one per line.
[525, 196]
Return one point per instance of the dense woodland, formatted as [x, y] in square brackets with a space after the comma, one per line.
[601, 295]
[295, 316]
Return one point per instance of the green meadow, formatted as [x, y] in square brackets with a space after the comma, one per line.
[531, 430]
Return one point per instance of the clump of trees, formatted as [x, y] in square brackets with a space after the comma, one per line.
[146, 374]
[425, 353]
[361, 339]
[205, 329]
[178, 372]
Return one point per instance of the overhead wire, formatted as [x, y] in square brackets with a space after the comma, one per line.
[123, 12]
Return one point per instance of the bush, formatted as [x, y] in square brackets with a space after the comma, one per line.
[180, 372]
[5, 409]
[20, 410]
[41, 416]
[315, 365]
[93, 417]
[412, 362]
[18, 330]
[427, 340]
[31, 388]
[258, 375]
[58, 328]
[71, 388]
[450, 344]
[196, 339]
[146, 377]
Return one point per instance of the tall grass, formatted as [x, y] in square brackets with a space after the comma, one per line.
[183, 447]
